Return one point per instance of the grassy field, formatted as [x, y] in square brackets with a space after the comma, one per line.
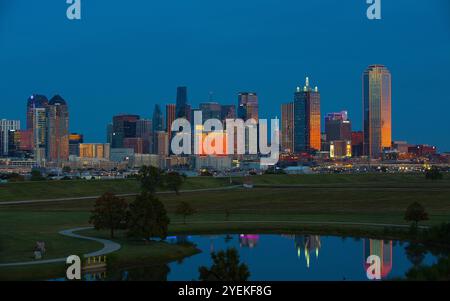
[325, 198]
[82, 188]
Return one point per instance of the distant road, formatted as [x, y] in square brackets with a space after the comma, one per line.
[13, 203]
[108, 248]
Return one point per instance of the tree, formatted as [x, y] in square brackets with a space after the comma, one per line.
[226, 267]
[185, 209]
[174, 181]
[433, 174]
[67, 169]
[36, 175]
[151, 178]
[416, 213]
[110, 212]
[148, 218]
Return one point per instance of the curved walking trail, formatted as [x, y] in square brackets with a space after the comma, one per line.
[108, 248]
[119, 195]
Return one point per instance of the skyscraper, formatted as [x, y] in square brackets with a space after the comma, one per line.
[124, 126]
[377, 110]
[248, 106]
[182, 108]
[144, 128]
[228, 112]
[307, 135]
[5, 127]
[35, 101]
[211, 110]
[158, 126]
[287, 127]
[171, 110]
[57, 130]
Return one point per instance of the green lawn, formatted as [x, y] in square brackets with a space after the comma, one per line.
[81, 188]
[261, 209]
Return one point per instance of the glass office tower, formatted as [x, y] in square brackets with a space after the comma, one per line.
[377, 110]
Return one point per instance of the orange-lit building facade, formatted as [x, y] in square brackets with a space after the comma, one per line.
[95, 150]
[377, 97]
[57, 130]
[307, 119]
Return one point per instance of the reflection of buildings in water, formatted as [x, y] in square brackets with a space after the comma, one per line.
[180, 239]
[248, 240]
[380, 248]
[310, 244]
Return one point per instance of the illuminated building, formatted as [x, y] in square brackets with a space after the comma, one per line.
[95, 150]
[338, 127]
[248, 106]
[307, 134]
[57, 130]
[287, 127]
[124, 126]
[422, 150]
[377, 110]
[340, 149]
[74, 144]
[248, 240]
[5, 127]
[310, 244]
[380, 248]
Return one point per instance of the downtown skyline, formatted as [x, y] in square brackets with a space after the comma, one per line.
[262, 50]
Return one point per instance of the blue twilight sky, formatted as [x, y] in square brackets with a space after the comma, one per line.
[125, 56]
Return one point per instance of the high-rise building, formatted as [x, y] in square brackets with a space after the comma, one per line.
[382, 249]
[248, 106]
[307, 135]
[287, 127]
[144, 128]
[377, 110]
[338, 127]
[171, 110]
[211, 110]
[162, 143]
[57, 130]
[158, 126]
[182, 109]
[109, 133]
[20, 143]
[137, 144]
[35, 101]
[228, 112]
[5, 127]
[74, 144]
[124, 126]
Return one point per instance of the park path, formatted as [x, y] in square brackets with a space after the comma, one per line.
[12, 203]
[108, 248]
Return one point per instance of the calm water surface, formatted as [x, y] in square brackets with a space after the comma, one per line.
[298, 257]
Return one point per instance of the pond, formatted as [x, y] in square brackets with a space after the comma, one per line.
[289, 258]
